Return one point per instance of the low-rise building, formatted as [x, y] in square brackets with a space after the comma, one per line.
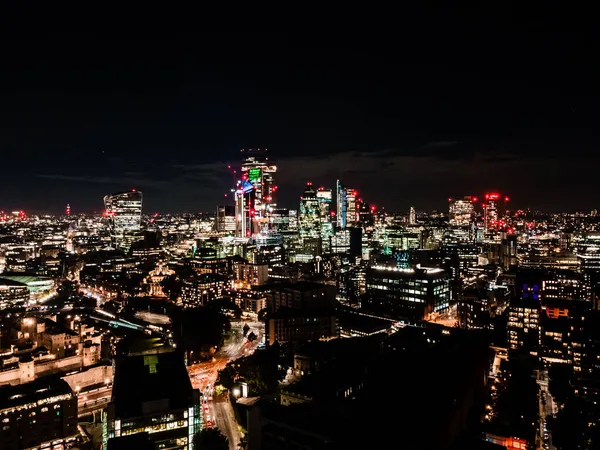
[288, 325]
[13, 294]
[39, 414]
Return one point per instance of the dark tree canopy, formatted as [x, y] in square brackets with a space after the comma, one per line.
[210, 439]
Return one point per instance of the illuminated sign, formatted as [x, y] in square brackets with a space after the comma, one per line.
[254, 174]
[247, 187]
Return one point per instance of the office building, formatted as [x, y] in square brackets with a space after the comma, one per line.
[461, 211]
[41, 414]
[310, 216]
[325, 197]
[225, 222]
[561, 325]
[475, 308]
[412, 293]
[255, 197]
[508, 250]
[588, 252]
[152, 393]
[412, 216]
[247, 275]
[289, 325]
[347, 206]
[524, 324]
[124, 213]
[494, 208]
[196, 291]
[301, 295]
[13, 294]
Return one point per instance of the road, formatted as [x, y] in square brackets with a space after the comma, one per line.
[448, 318]
[545, 410]
[93, 401]
[204, 376]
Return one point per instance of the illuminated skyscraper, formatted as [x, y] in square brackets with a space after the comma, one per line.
[494, 209]
[258, 170]
[352, 204]
[324, 197]
[412, 216]
[340, 204]
[347, 206]
[309, 218]
[124, 213]
[461, 211]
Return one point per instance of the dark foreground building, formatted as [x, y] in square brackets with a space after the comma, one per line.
[421, 388]
[152, 394]
[40, 414]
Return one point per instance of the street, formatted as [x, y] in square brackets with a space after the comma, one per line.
[94, 401]
[547, 408]
[204, 375]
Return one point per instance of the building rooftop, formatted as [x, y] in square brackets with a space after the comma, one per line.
[11, 396]
[150, 383]
[9, 282]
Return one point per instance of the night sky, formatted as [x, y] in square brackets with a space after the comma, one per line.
[455, 105]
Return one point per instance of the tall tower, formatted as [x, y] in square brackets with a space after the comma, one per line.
[351, 207]
[124, 213]
[412, 216]
[258, 170]
[309, 217]
[340, 204]
[325, 197]
[494, 210]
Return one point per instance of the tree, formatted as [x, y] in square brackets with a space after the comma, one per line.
[210, 439]
[246, 329]
[560, 382]
[251, 337]
[171, 286]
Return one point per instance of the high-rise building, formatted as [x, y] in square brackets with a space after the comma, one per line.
[524, 323]
[257, 191]
[324, 197]
[347, 206]
[352, 204]
[340, 204]
[494, 209]
[412, 216]
[366, 214]
[309, 218]
[124, 213]
[152, 393]
[461, 210]
[225, 222]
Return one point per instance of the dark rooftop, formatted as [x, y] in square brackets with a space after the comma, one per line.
[150, 383]
[11, 396]
[138, 441]
[7, 282]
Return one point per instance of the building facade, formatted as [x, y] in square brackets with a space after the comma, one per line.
[413, 293]
[41, 414]
[124, 213]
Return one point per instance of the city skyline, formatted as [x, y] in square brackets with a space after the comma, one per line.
[432, 114]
